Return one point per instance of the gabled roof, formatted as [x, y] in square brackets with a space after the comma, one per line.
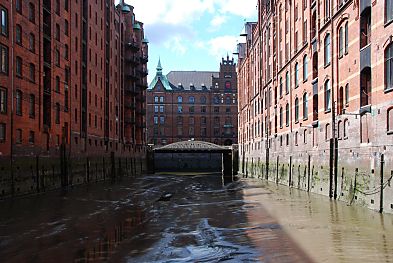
[198, 79]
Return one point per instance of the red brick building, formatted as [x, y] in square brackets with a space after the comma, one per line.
[315, 100]
[73, 73]
[199, 105]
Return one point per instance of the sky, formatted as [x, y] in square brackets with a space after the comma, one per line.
[192, 34]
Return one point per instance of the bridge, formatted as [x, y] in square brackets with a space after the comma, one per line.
[195, 156]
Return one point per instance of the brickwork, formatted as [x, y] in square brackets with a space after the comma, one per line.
[314, 113]
[201, 111]
[73, 81]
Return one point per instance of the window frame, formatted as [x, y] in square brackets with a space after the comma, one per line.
[327, 95]
[4, 27]
[305, 106]
[18, 102]
[3, 100]
[305, 68]
[3, 132]
[326, 50]
[388, 67]
[4, 64]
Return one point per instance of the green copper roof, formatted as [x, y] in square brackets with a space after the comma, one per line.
[137, 26]
[160, 77]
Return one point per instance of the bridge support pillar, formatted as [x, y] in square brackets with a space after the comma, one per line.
[227, 167]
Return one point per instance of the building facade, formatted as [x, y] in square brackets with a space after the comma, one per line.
[315, 100]
[199, 105]
[73, 73]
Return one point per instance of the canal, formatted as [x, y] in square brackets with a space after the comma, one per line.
[190, 218]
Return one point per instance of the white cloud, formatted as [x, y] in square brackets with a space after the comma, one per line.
[222, 45]
[176, 44]
[217, 21]
[187, 11]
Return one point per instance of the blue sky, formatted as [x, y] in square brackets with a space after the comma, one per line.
[192, 34]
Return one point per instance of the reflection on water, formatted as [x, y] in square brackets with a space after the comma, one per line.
[247, 221]
[326, 230]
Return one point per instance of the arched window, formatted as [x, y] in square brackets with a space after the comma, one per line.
[327, 9]
[296, 109]
[203, 100]
[287, 82]
[287, 114]
[280, 87]
[346, 38]
[32, 42]
[327, 131]
[297, 75]
[389, 67]
[18, 34]
[179, 99]
[346, 94]
[32, 106]
[339, 129]
[305, 67]
[305, 106]
[389, 123]
[18, 106]
[345, 130]
[228, 100]
[340, 42]
[31, 12]
[281, 119]
[216, 100]
[327, 49]
[327, 92]
[388, 10]
[305, 136]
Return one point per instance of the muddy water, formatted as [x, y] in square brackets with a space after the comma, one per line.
[247, 221]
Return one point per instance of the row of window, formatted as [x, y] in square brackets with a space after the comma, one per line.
[18, 135]
[191, 120]
[191, 99]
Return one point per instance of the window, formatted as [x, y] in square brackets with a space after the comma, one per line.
[179, 131]
[18, 106]
[345, 132]
[162, 119]
[340, 42]
[156, 99]
[203, 109]
[4, 21]
[3, 59]
[281, 118]
[203, 120]
[228, 100]
[31, 12]
[296, 110]
[57, 32]
[155, 109]
[179, 99]
[57, 6]
[280, 87]
[32, 72]
[18, 6]
[32, 106]
[327, 50]
[18, 136]
[155, 119]
[327, 9]
[31, 42]
[161, 108]
[57, 116]
[297, 75]
[389, 67]
[66, 27]
[216, 109]
[31, 137]
[203, 100]
[57, 84]
[305, 106]
[388, 10]
[327, 95]
[287, 115]
[179, 109]
[305, 68]
[191, 109]
[227, 85]
[216, 100]
[162, 99]
[66, 51]
[346, 94]
[3, 100]
[346, 38]
[191, 99]
[287, 82]
[18, 34]
[191, 120]
[365, 27]
[66, 5]
[57, 57]
[2, 132]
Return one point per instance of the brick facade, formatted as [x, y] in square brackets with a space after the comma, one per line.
[315, 101]
[83, 78]
[197, 105]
